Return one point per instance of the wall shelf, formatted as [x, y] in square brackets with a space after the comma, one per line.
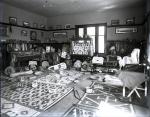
[8, 24]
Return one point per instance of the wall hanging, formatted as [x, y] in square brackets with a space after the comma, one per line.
[13, 20]
[126, 30]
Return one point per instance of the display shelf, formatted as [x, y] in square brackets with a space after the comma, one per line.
[8, 24]
[22, 26]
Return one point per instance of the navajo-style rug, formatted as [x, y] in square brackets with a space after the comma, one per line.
[40, 98]
[10, 108]
[101, 103]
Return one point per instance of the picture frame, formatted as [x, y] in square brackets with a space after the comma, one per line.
[130, 20]
[13, 20]
[115, 22]
[120, 30]
[26, 24]
[59, 34]
[24, 33]
[35, 25]
[67, 26]
[33, 35]
[42, 26]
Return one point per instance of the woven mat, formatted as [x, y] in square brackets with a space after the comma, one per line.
[13, 109]
[101, 103]
[40, 98]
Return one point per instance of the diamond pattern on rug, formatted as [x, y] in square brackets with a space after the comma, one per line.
[40, 98]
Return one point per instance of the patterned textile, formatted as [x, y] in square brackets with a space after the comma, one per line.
[63, 78]
[101, 103]
[40, 98]
[10, 108]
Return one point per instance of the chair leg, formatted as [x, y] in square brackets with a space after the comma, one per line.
[131, 92]
[145, 88]
[137, 93]
[124, 93]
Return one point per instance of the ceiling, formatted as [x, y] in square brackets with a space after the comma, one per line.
[64, 7]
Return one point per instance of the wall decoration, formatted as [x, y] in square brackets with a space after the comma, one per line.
[60, 34]
[3, 30]
[35, 25]
[26, 24]
[81, 47]
[24, 33]
[13, 20]
[130, 20]
[126, 30]
[67, 26]
[115, 22]
[42, 26]
[33, 35]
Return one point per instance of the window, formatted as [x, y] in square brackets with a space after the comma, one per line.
[92, 34]
[97, 32]
[101, 39]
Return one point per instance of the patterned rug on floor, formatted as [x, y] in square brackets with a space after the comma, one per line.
[101, 103]
[40, 98]
[117, 92]
[9, 108]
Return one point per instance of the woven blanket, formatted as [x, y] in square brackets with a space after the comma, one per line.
[104, 103]
[13, 109]
[40, 98]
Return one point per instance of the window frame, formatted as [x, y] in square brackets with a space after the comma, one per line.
[96, 34]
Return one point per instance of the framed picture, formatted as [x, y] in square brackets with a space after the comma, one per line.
[24, 33]
[59, 34]
[126, 30]
[67, 26]
[26, 24]
[33, 35]
[130, 20]
[13, 20]
[115, 22]
[3, 30]
[35, 25]
[42, 26]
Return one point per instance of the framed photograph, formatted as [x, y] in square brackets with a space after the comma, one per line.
[24, 33]
[130, 20]
[3, 30]
[59, 34]
[42, 26]
[126, 30]
[115, 22]
[26, 24]
[67, 26]
[33, 35]
[35, 25]
[13, 20]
